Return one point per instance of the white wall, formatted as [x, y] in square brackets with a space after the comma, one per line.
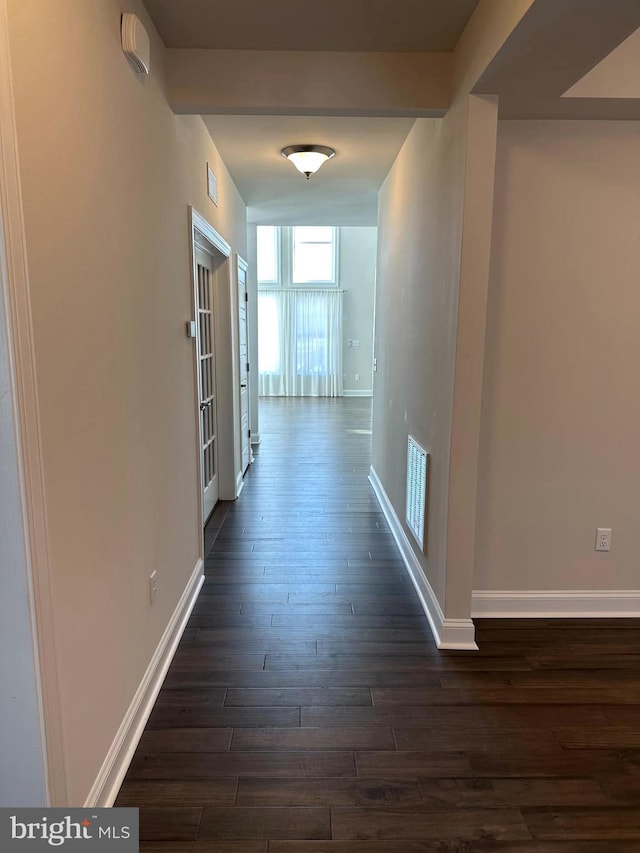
[339, 82]
[431, 289]
[560, 436]
[357, 269]
[419, 230]
[107, 174]
[22, 776]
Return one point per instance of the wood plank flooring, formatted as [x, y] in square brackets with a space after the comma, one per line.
[307, 709]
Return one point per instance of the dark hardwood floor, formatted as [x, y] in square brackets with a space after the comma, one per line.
[307, 709]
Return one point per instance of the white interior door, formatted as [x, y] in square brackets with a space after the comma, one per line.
[245, 435]
[207, 380]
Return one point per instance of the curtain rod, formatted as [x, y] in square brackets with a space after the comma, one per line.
[301, 290]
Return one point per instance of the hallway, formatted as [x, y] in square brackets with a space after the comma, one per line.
[308, 710]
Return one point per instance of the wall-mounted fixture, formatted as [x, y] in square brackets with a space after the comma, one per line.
[212, 185]
[135, 42]
[417, 492]
[307, 158]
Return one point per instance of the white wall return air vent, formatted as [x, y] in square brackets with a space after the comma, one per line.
[135, 42]
[417, 484]
[212, 185]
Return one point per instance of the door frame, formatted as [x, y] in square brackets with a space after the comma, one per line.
[241, 264]
[203, 235]
[205, 263]
[15, 292]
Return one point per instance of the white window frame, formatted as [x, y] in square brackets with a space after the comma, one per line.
[277, 281]
[328, 283]
[284, 261]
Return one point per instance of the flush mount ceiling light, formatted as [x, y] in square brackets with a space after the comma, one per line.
[307, 158]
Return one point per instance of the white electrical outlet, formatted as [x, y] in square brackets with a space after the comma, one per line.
[153, 586]
[355, 343]
[357, 375]
[603, 539]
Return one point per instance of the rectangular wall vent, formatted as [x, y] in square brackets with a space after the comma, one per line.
[417, 481]
[212, 185]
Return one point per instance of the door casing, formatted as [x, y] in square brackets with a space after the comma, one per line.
[243, 357]
[204, 236]
[206, 266]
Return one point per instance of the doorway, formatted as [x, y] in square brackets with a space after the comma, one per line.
[244, 367]
[216, 367]
[207, 397]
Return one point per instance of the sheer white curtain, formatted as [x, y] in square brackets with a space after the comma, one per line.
[300, 343]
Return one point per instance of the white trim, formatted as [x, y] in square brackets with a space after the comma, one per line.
[239, 483]
[448, 633]
[549, 604]
[27, 417]
[108, 781]
[255, 438]
[243, 266]
[204, 236]
[200, 224]
[358, 393]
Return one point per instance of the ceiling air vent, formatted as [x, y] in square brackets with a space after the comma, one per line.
[135, 43]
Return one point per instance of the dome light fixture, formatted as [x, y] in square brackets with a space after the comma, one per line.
[307, 158]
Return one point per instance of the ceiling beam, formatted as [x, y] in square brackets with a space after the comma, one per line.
[262, 82]
[554, 46]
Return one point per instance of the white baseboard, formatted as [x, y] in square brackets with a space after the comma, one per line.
[549, 604]
[448, 633]
[357, 393]
[255, 438]
[239, 483]
[105, 789]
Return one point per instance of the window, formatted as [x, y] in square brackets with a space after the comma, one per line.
[313, 255]
[300, 342]
[268, 254]
[297, 256]
[269, 335]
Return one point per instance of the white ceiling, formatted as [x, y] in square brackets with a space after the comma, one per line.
[358, 25]
[343, 192]
[557, 44]
[616, 76]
